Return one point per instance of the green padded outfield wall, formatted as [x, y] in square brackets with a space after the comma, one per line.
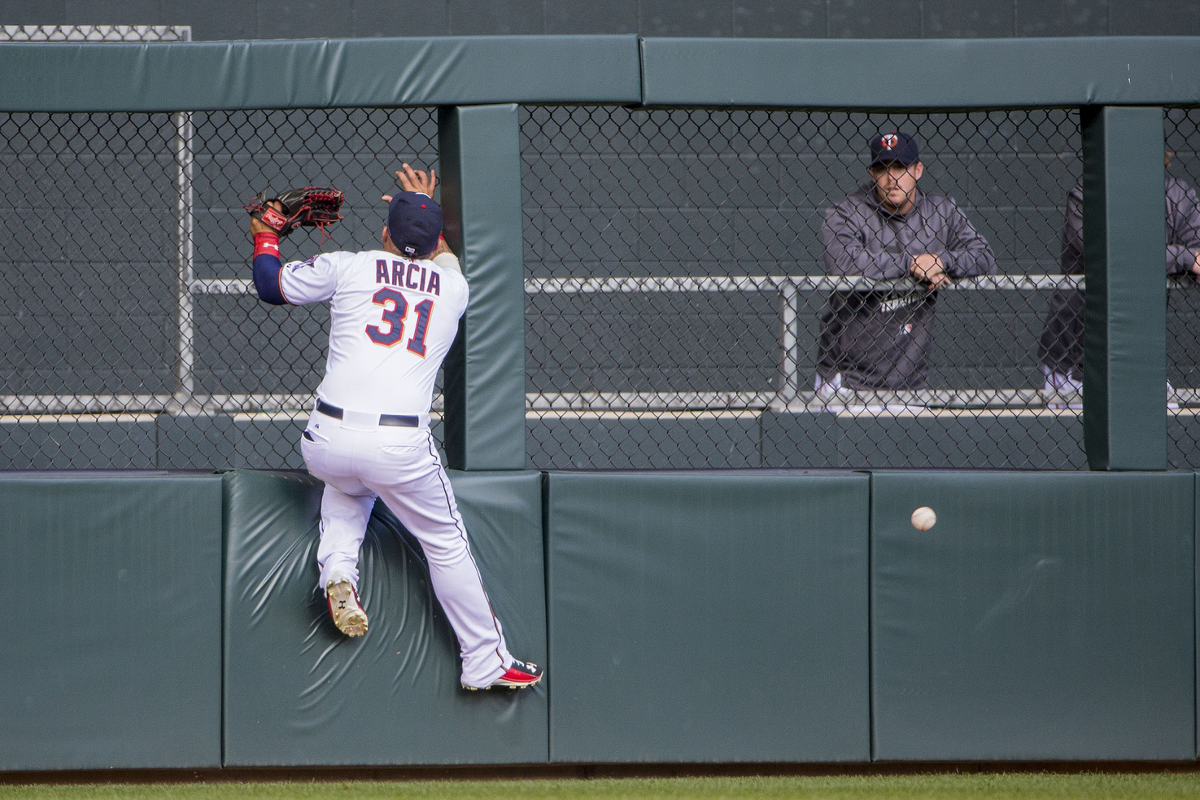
[111, 651]
[297, 692]
[717, 617]
[1044, 616]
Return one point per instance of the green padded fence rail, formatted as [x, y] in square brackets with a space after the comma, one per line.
[480, 70]
[297, 692]
[319, 73]
[1043, 617]
[923, 73]
[111, 651]
[708, 617]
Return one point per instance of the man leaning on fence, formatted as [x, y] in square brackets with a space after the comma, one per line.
[1060, 348]
[906, 244]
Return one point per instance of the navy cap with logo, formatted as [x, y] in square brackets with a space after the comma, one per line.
[895, 146]
[414, 223]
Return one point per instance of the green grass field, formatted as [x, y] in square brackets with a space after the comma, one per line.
[982, 785]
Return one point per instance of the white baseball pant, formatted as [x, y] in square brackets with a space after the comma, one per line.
[359, 460]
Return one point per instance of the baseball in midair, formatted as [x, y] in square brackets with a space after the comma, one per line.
[923, 518]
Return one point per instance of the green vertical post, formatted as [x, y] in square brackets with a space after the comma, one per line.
[1125, 317]
[480, 157]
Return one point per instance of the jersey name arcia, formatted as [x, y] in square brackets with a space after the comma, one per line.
[408, 274]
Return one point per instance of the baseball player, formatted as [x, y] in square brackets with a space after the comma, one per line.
[394, 313]
[1060, 348]
[888, 228]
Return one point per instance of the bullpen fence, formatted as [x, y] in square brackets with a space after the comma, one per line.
[677, 289]
[135, 304]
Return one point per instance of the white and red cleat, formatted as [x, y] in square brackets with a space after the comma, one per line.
[519, 675]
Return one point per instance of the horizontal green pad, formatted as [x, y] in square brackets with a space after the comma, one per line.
[938, 73]
[320, 73]
[1044, 616]
[112, 624]
[708, 617]
[298, 692]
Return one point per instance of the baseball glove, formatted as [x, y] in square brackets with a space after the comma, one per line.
[310, 206]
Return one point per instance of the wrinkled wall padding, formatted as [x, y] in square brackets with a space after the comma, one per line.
[708, 617]
[1043, 617]
[297, 692]
[693, 617]
[111, 633]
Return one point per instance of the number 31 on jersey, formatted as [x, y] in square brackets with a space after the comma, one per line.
[391, 328]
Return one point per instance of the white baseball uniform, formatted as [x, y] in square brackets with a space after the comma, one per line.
[392, 321]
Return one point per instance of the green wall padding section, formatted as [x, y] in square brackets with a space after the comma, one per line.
[320, 73]
[1125, 310]
[1044, 616]
[485, 369]
[708, 617]
[297, 692]
[948, 73]
[111, 634]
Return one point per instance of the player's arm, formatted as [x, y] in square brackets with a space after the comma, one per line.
[967, 251]
[267, 264]
[845, 236]
[416, 180]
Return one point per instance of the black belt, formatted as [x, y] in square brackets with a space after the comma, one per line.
[394, 420]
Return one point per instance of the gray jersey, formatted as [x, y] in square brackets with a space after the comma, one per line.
[1061, 344]
[881, 339]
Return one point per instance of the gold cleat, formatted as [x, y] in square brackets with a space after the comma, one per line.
[347, 614]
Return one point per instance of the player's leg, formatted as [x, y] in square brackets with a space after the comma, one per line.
[411, 481]
[344, 520]
[343, 526]
[345, 509]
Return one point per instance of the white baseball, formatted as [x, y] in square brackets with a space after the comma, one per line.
[923, 518]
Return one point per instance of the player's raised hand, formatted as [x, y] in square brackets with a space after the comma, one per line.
[414, 180]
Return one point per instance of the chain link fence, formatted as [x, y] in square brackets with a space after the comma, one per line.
[692, 303]
[1183, 299]
[676, 282]
[131, 337]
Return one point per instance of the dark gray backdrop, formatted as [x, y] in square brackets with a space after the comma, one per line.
[815, 19]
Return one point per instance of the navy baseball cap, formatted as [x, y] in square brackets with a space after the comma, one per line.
[414, 223]
[894, 146]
